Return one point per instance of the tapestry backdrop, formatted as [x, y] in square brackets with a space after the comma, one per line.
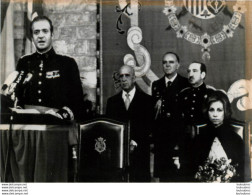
[214, 35]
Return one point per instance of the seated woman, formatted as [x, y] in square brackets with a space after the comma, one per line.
[217, 144]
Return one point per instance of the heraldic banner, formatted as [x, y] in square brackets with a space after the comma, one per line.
[138, 33]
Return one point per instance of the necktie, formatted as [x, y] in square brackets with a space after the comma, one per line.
[168, 84]
[127, 101]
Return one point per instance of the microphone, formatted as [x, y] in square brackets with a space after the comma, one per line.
[21, 80]
[17, 82]
[10, 79]
[27, 78]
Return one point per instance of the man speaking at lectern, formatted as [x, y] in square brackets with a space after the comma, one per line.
[50, 83]
[55, 81]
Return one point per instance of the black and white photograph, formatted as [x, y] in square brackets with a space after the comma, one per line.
[132, 95]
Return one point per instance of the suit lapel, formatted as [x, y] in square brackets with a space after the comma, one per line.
[162, 83]
[120, 103]
[162, 86]
[134, 101]
[175, 82]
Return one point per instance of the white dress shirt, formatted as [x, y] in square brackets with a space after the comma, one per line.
[171, 80]
[131, 94]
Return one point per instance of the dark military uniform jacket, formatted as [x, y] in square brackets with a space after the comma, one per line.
[168, 96]
[55, 82]
[191, 103]
[168, 127]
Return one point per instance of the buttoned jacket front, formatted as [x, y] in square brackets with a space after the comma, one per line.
[191, 101]
[55, 81]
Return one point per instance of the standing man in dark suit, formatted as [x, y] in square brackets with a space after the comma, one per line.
[134, 106]
[167, 131]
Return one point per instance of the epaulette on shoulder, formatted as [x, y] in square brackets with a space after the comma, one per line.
[210, 87]
[64, 55]
[185, 89]
[26, 55]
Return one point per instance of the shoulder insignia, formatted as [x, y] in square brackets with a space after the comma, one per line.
[64, 55]
[26, 55]
[210, 87]
[223, 91]
[185, 89]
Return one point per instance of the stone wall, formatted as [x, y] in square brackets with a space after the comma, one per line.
[74, 35]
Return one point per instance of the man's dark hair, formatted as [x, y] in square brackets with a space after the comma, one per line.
[39, 18]
[169, 52]
[202, 66]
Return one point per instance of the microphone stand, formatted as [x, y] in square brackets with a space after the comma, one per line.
[75, 156]
[127, 153]
[10, 144]
[77, 167]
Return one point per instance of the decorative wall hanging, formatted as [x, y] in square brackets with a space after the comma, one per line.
[204, 9]
[123, 9]
[141, 61]
[241, 89]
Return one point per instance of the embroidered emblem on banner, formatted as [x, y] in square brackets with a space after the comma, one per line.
[52, 74]
[116, 79]
[124, 9]
[204, 9]
[100, 145]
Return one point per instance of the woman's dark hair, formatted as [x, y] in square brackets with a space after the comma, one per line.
[39, 18]
[214, 97]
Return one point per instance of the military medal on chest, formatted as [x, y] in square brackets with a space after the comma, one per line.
[41, 66]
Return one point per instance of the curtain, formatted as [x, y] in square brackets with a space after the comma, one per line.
[7, 41]
[227, 63]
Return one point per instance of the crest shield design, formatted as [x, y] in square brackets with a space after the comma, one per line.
[100, 145]
[204, 9]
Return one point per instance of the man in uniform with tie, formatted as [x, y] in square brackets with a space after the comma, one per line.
[167, 131]
[134, 106]
[55, 81]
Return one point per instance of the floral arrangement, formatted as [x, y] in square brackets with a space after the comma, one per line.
[216, 171]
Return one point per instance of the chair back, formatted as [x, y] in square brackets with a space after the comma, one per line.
[103, 151]
[239, 128]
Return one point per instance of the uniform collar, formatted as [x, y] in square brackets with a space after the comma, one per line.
[199, 88]
[46, 55]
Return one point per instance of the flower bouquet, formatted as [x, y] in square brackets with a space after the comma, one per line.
[216, 171]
